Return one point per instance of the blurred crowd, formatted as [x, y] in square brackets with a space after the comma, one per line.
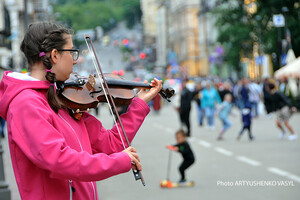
[216, 98]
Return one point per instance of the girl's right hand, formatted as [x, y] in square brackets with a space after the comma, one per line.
[135, 160]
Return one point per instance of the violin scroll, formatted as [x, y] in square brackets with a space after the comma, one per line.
[167, 93]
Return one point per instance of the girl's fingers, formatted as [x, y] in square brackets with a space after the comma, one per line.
[135, 155]
[132, 149]
[137, 164]
[135, 160]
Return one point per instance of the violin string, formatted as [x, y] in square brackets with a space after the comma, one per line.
[105, 93]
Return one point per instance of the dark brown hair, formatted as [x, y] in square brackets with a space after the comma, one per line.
[180, 132]
[44, 37]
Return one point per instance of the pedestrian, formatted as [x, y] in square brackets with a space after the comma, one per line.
[210, 97]
[2, 123]
[224, 89]
[267, 97]
[156, 104]
[121, 110]
[244, 92]
[284, 110]
[223, 112]
[197, 98]
[247, 121]
[186, 97]
[254, 97]
[55, 156]
[185, 150]
[236, 94]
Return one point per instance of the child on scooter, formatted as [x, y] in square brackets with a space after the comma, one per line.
[185, 150]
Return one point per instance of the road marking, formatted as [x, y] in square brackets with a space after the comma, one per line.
[191, 139]
[223, 151]
[286, 174]
[248, 161]
[244, 159]
[157, 125]
[204, 143]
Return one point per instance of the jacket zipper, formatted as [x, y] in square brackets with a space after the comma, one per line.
[70, 181]
[70, 188]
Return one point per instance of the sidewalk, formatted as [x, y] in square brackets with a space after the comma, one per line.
[8, 170]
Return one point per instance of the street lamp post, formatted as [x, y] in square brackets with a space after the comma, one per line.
[26, 20]
[279, 21]
[284, 44]
[285, 10]
[260, 57]
[4, 190]
[203, 13]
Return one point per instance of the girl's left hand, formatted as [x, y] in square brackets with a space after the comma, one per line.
[147, 96]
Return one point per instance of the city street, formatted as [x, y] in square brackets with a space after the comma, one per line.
[219, 167]
[221, 51]
[267, 168]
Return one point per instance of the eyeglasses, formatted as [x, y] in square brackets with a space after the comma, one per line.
[74, 52]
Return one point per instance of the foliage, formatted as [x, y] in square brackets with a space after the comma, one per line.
[87, 14]
[238, 30]
[132, 11]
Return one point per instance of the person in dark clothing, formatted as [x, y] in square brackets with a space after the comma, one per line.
[200, 111]
[284, 110]
[224, 89]
[244, 92]
[267, 96]
[186, 97]
[185, 150]
[2, 123]
[247, 119]
[121, 110]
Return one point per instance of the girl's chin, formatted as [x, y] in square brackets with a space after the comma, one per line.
[64, 79]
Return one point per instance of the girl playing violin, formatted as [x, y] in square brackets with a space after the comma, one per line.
[55, 156]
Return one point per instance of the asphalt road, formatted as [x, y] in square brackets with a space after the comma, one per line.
[267, 168]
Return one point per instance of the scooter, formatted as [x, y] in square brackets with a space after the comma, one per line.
[166, 183]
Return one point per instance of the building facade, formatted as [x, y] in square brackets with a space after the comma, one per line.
[176, 32]
[19, 14]
[149, 20]
[207, 37]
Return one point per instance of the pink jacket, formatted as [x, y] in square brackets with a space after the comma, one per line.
[55, 156]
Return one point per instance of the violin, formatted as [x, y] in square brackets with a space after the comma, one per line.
[80, 93]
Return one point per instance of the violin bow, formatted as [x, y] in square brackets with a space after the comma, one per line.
[137, 174]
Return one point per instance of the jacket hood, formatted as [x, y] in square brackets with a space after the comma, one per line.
[12, 84]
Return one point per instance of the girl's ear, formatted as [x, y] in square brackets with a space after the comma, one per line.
[54, 56]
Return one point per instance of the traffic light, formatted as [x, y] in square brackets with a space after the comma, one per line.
[125, 42]
[142, 55]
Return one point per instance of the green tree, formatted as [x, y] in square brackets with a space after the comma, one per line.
[86, 14]
[132, 11]
[238, 30]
